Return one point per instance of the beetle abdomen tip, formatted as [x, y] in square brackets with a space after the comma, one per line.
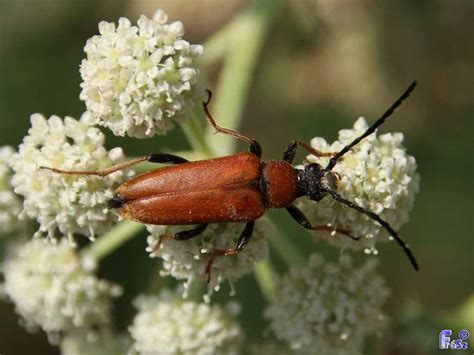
[116, 202]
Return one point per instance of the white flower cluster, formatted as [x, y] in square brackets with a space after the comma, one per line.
[330, 307]
[10, 204]
[137, 80]
[105, 343]
[378, 175]
[52, 288]
[187, 259]
[168, 325]
[74, 204]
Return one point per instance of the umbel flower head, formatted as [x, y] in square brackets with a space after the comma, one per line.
[187, 259]
[330, 307]
[72, 204]
[169, 325]
[10, 204]
[376, 174]
[138, 80]
[54, 289]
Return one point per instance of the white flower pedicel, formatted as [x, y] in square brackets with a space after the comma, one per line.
[138, 80]
[54, 289]
[72, 204]
[330, 307]
[187, 259]
[10, 204]
[376, 174]
[168, 325]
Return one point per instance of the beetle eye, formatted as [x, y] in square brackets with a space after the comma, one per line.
[331, 180]
[337, 179]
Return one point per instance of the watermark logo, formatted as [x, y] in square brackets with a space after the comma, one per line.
[446, 341]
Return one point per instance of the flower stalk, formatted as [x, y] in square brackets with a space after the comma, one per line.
[114, 239]
[266, 278]
[286, 249]
[249, 33]
[195, 133]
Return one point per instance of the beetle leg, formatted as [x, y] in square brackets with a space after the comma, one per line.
[302, 220]
[183, 235]
[290, 151]
[152, 158]
[254, 147]
[239, 246]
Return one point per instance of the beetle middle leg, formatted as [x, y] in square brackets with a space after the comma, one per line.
[152, 158]
[183, 235]
[254, 147]
[240, 245]
[290, 151]
[302, 220]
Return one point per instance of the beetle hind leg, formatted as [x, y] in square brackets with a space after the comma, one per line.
[183, 235]
[240, 245]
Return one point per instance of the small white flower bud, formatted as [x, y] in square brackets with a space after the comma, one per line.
[70, 204]
[10, 204]
[169, 325]
[138, 80]
[51, 289]
[187, 259]
[330, 307]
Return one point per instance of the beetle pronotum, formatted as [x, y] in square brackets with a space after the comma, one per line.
[235, 188]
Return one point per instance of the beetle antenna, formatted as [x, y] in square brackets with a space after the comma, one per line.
[383, 223]
[372, 128]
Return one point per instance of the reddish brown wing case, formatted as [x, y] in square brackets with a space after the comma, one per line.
[208, 191]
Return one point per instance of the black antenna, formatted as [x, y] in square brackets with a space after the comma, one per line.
[372, 128]
[384, 224]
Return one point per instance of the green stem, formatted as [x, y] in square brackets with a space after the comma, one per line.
[249, 31]
[266, 278]
[156, 282]
[217, 45]
[286, 249]
[196, 134]
[112, 240]
[196, 290]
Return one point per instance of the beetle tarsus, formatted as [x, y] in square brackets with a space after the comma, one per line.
[303, 221]
[209, 97]
[240, 245]
[183, 235]
[290, 151]
[158, 243]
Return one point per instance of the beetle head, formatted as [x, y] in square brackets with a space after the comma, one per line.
[314, 181]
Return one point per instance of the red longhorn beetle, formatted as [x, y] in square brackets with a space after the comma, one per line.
[235, 188]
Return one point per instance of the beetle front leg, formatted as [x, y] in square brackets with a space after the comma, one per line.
[290, 151]
[303, 221]
[239, 246]
[152, 158]
[183, 235]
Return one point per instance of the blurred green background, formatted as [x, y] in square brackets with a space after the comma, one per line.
[324, 64]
